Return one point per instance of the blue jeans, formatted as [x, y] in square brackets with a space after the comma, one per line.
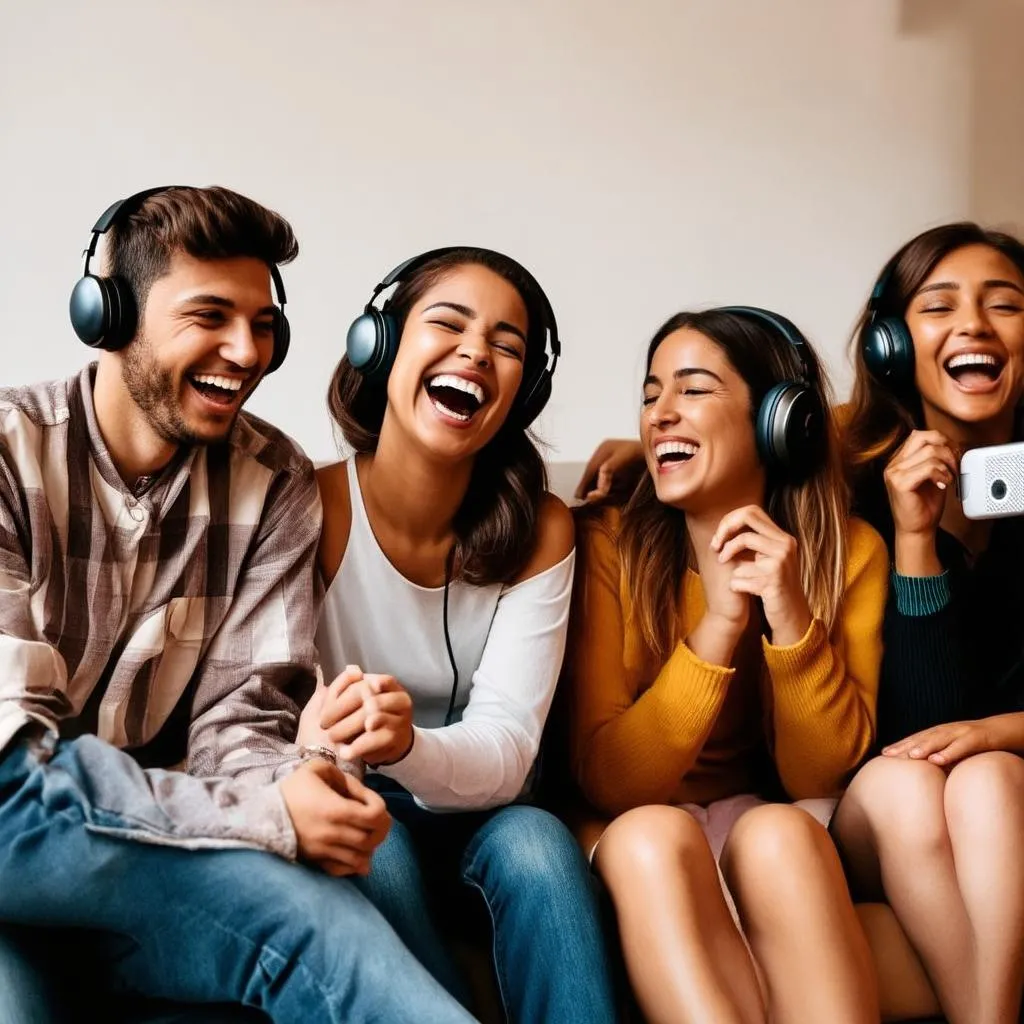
[548, 951]
[210, 926]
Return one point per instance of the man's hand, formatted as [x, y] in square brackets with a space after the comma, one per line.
[338, 821]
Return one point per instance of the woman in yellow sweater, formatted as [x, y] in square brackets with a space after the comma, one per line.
[725, 653]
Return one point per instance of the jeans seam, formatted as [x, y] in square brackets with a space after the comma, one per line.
[498, 969]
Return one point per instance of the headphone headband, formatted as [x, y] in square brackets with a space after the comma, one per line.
[407, 267]
[785, 327]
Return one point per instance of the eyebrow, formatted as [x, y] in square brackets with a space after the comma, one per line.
[219, 300]
[501, 325]
[952, 286]
[686, 371]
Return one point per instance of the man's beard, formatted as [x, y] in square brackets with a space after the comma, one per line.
[152, 388]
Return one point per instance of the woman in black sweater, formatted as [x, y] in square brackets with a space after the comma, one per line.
[934, 823]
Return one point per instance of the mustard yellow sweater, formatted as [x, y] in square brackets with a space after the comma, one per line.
[687, 731]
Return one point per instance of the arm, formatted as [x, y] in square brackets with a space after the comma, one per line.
[824, 688]
[922, 682]
[245, 714]
[484, 760]
[630, 747]
[33, 685]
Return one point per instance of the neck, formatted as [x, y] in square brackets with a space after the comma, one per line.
[971, 435]
[395, 471]
[135, 448]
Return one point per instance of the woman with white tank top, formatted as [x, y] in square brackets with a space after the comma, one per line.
[448, 575]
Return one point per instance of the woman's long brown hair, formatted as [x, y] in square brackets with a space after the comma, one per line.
[653, 540]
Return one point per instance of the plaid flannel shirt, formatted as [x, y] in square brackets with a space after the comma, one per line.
[176, 621]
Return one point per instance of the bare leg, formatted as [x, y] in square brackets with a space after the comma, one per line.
[789, 887]
[905, 829]
[984, 802]
[904, 988]
[685, 956]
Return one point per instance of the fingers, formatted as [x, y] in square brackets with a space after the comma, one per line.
[926, 441]
[592, 470]
[348, 693]
[965, 745]
[758, 544]
[926, 464]
[749, 517]
[922, 744]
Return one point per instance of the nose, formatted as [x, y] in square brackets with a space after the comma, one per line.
[662, 411]
[239, 345]
[473, 347]
[974, 320]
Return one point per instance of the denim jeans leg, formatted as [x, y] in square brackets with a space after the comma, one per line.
[27, 992]
[203, 926]
[549, 945]
[395, 886]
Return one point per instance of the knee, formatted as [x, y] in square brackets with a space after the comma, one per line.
[900, 798]
[394, 868]
[524, 847]
[772, 842]
[650, 840]
[983, 785]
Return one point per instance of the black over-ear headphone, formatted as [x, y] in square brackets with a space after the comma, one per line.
[885, 342]
[103, 310]
[372, 341]
[790, 424]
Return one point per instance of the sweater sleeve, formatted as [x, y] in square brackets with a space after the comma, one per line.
[922, 680]
[825, 688]
[631, 744]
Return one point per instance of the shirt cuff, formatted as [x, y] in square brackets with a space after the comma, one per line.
[921, 595]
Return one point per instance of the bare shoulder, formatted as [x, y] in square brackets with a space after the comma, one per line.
[332, 481]
[556, 537]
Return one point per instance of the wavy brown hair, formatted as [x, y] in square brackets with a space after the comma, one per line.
[207, 223]
[881, 419]
[654, 542]
[495, 526]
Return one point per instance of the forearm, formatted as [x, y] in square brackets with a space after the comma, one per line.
[639, 754]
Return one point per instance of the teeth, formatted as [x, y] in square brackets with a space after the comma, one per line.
[227, 383]
[664, 448]
[972, 359]
[449, 380]
[449, 412]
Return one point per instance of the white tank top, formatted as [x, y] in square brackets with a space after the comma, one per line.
[374, 617]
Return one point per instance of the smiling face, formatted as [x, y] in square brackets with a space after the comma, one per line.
[205, 337]
[459, 363]
[696, 427]
[967, 323]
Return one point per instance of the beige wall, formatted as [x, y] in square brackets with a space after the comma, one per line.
[640, 157]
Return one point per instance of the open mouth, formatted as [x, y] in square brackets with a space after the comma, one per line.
[671, 453]
[216, 388]
[974, 371]
[456, 397]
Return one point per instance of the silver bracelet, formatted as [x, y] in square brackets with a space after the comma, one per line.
[318, 750]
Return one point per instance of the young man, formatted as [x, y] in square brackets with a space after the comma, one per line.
[157, 606]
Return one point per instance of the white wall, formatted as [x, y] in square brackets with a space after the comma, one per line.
[640, 158]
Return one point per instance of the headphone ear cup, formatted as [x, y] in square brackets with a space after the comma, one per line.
[371, 343]
[888, 351]
[89, 311]
[282, 339]
[790, 429]
[123, 313]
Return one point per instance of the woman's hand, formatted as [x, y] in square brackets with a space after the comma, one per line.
[916, 480]
[364, 716]
[726, 614]
[946, 744]
[616, 465]
[767, 565]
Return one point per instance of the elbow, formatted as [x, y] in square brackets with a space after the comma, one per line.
[828, 774]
